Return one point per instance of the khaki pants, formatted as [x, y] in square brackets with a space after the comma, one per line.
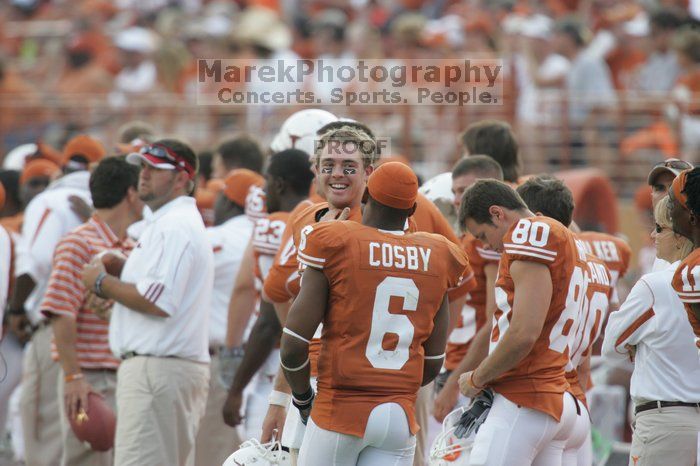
[668, 436]
[75, 452]
[39, 402]
[215, 440]
[160, 402]
[423, 408]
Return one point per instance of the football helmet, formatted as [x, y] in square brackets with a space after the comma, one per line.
[299, 130]
[447, 448]
[439, 190]
[253, 452]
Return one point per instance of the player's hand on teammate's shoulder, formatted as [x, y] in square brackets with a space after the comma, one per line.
[333, 214]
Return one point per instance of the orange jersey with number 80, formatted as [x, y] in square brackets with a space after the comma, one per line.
[538, 381]
[385, 290]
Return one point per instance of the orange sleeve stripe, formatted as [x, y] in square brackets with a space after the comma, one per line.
[44, 216]
[638, 322]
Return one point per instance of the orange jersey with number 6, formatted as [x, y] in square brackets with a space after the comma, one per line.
[385, 290]
[538, 381]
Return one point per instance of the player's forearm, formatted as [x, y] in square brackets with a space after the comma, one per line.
[240, 308]
[294, 356]
[128, 295]
[280, 383]
[282, 311]
[431, 369]
[263, 337]
[456, 306]
[24, 285]
[478, 350]
[513, 348]
[65, 335]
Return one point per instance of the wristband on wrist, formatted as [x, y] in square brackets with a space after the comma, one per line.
[278, 398]
[15, 311]
[72, 377]
[473, 383]
[303, 400]
[97, 287]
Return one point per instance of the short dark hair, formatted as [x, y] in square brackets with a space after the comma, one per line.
[241, 151]
[667, 18]
[549, 196]
[135, 129]
[111, 180]
[482, 165]
[483, 194]
[293, 166]
[573, 28]
[10, 181]
[692, 190]
[496, 139]
[181, 149]
[205, 159]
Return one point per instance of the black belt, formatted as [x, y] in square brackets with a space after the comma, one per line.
[663, 404]
[133, 354]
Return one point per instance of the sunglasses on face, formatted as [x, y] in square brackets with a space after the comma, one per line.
[675, 164]
[659, 229]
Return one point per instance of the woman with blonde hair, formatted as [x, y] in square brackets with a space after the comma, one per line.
[652, 329]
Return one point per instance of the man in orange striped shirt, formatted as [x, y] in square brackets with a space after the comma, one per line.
[81, 342]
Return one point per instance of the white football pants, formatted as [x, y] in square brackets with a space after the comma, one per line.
[513, 435]
[387, 442]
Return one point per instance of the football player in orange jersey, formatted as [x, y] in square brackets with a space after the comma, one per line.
[547, 195]
[540, 271]
[287, 182]
[468, 343]
[684, 204]
[341, 174]
[382, 297]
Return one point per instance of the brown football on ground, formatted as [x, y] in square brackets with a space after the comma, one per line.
[113, 262]
[97, 426]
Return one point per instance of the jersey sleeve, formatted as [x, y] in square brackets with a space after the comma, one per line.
[631, 323]
[284, 266]
[319, 244]
[684, 283]
[533, 241]
[65, 291]
[459, 272]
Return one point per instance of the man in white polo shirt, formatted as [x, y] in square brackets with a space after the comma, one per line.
[229, 238]
[160, 322]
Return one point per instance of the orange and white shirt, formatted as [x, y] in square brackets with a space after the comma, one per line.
[47, 219]
[686, 282]
[592, 311]
[615, 252]
[66, 293]
[666, 365]
[473, 315]
[385, 290]
[539, 381]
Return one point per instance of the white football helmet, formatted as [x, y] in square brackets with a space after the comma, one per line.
[439, 190]
[299, 130]
[253, 452]
[448, 450]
